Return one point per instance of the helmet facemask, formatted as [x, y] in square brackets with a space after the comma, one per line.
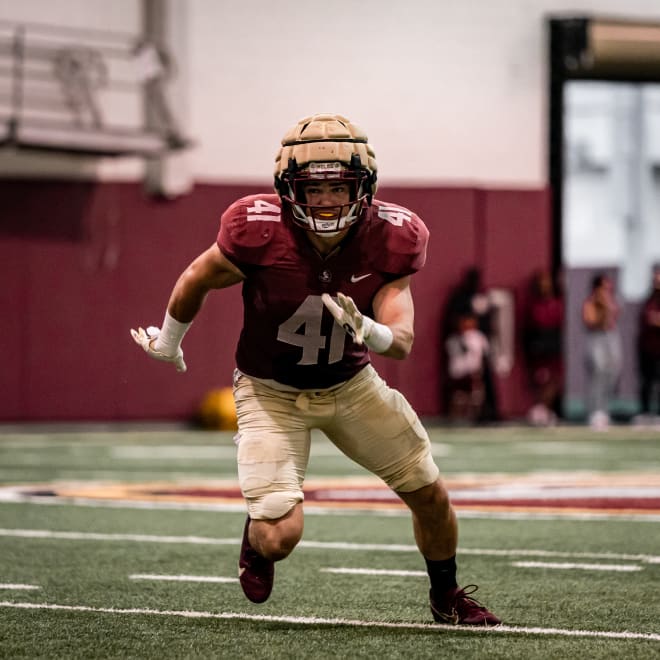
[327, 220]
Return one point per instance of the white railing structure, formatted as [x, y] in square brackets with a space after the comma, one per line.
[88, 92]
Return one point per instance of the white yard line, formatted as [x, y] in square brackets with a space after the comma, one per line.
[182, 578]
[583, 516]
[203, 452]
[323, 545]
[316, 621]
[382, 571]
[373, 571]
[65, 476]
[95, 536]
[518, 564]
[583, 567]
[172, 453]
[9, 495]
[27, 587]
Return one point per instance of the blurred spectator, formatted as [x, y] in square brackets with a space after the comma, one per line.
[544, 320]
[467, 354]
[600, 314]
[649, 353]
[470, 298]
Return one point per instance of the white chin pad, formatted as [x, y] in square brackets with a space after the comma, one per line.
[324, 226]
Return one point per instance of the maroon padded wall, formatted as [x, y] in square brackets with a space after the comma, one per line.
[82, 263]
[516, 240]
[450, 215]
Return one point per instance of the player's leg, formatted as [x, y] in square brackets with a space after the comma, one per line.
[377, 427]
[597, 381]
[436, 534]
[434, 521]
[273, 451]
[276, 538]
[265, 542]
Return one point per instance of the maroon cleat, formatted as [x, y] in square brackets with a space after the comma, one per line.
[456, 607]
[255, 573]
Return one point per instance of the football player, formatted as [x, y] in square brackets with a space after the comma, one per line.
[325, 270]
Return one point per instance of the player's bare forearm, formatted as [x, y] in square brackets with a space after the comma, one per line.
[401, 345]
[210, 270]
[394, 307]
[402, 342]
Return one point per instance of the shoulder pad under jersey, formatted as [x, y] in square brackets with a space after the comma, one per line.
[251, 231]
[399, 237]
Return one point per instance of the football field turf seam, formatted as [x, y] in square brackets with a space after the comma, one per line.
[321, 621]
[321, 545]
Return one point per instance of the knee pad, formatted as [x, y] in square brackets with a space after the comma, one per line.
[273, 505]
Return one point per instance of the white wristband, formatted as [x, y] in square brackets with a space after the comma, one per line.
[377, 337]
[171, 335]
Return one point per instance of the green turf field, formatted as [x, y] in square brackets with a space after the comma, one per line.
[112, 577]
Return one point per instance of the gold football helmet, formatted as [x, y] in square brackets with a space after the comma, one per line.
[325, 147]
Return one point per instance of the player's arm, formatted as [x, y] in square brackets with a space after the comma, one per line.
[590, 315]
[390, 332]
[596, 314]
[394, 308]
[210, 270]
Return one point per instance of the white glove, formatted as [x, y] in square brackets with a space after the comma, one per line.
[147, 339]
[361, 328]
[349, 316]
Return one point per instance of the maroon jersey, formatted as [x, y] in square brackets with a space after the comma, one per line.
[288, 335]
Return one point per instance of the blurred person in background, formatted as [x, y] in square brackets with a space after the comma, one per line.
[649, 354]
[544, 321]
[469, 297]
[325, 270]
[467, 353]
[603, 356]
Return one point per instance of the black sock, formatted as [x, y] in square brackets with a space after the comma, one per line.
[442, 573]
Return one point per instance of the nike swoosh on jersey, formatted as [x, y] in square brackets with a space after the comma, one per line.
[355, 279]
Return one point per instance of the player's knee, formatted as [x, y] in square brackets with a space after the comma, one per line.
[277, 532]
[433, 499]
[272, 506]
[418, 475]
